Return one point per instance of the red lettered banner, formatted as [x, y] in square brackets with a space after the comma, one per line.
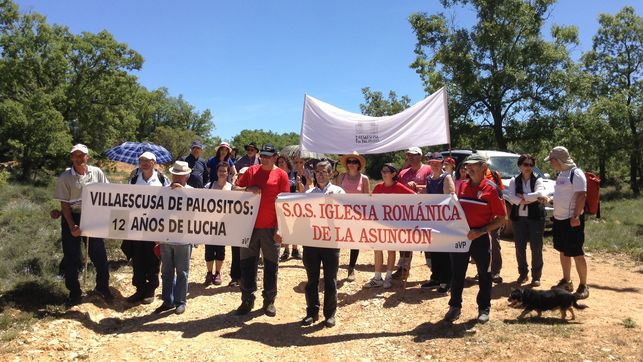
[373, 222]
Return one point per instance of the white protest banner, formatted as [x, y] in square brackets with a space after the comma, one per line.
[328, 129]
[182, 215]
[377, 222]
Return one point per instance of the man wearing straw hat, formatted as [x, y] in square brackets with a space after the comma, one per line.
[69, 190]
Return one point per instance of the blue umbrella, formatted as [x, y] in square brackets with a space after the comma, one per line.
[129, 152]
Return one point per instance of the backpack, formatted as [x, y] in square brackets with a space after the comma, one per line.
[593, 198]
[161, 177]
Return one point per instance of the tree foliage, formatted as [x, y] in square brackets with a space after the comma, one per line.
[260, 137]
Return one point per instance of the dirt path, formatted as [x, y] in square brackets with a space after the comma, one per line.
[379, 324]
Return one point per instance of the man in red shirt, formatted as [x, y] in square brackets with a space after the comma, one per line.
[485, 213]
[267, 180]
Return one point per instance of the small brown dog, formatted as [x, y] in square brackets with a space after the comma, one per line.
[542, 300]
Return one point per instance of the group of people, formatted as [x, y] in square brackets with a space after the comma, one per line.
[266, 173]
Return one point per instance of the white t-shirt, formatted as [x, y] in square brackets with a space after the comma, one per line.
[152, 181]
[529, 194]
[564, 200]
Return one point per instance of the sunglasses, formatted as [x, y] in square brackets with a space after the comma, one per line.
[352, 161]
[386, 171]
[527, 164]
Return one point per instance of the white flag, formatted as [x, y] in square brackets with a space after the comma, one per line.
[328, 129]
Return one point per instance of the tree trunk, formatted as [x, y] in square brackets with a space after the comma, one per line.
[501, 142]
[634, 156]
[601, 171]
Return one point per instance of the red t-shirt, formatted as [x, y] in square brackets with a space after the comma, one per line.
[419, 177]
[396, 188]
[480, 203]
[271, 183]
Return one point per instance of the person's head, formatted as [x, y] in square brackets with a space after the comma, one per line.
[180, 172]
[284, 163]
[251, 149]
[414, 157]
[233, 152]
[462, 172]
[223, 151]
[353, 163]
[196, 149]
[146, 161]
[476, 167]
[79, 155]
[299, 164]
[559, 159]
[435, 161]
[526, 162]
[389, 173]
[323, 173]
[222, 171]
[268, 156]
[449, 164]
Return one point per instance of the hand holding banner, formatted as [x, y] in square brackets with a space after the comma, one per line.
[374, 222]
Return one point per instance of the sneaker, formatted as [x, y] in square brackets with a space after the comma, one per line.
[233, 283]
[269, 309]
[209, 279]
[443, 289]
[401, 273]
[374, 283]
[496, 278]
[285, 255]
[245, 308]
[136, 297]
[431, 284]
[351, 275]
[148, 300]
[164, 307]
[483, 316]
[217, 279]
[565, 285]
[522, 279]
[387, 283]
[582, 292]
[180, 309]
[453, 314]
[309, 319]
[73, 301]
[296, 254]
[535, 283]
[330, 322]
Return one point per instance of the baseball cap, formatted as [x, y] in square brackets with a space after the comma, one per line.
[79, 147]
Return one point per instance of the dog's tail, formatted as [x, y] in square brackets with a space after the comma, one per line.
[579, 306]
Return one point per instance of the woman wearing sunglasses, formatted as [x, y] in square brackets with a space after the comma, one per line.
[527, 218]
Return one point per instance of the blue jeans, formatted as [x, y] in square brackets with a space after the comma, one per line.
[175, 257]
[529, 230]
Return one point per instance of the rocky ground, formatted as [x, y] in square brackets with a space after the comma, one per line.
[381, 324]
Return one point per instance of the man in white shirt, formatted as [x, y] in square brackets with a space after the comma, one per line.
[569, 221]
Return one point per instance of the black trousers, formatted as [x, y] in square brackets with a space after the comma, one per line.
[146, 266]
[235, 265]
[313, 259]
[261, 239]
[73, 256]
[480, 251]
[441, 267]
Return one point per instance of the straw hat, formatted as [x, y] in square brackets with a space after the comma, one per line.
[355, 155]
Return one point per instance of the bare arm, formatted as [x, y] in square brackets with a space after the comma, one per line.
[449, 186]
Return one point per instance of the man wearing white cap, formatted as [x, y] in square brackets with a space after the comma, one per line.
[145, 264]
[69, 190]
[569, 222]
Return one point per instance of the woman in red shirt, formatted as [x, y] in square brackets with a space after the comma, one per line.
[389, 185]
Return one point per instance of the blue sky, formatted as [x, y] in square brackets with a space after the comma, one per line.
[251, 62]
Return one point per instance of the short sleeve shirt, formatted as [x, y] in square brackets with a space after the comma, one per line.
[69, 187]
[272, 183]
[213, 162]
[396, 188]
[419, 177]
[152, 181]
[564, 200]
[329, 189]
[480, 203]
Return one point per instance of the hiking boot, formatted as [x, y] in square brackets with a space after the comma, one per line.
[148, 300]
[582, 292]
[496, 278]
[164, 307]
[217, 279]
[209, 279]
[374, 283]
[443, 288]
[136, 297]
[483, 316]
[296, 254]
[401, 273]
[564, 285]
[180, 309]
[453, 314]
[245, 308]
[233, 283]
[309, 319]
[522, 279]
[285, 255]
[269, 309]
[330, 322]
[431, 284]
[535, 283]
[351, 275]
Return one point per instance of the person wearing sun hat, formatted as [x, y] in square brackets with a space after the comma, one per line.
[569, 221]
[69, 190]
[223, 155]
[250, 158]
[353, 181]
